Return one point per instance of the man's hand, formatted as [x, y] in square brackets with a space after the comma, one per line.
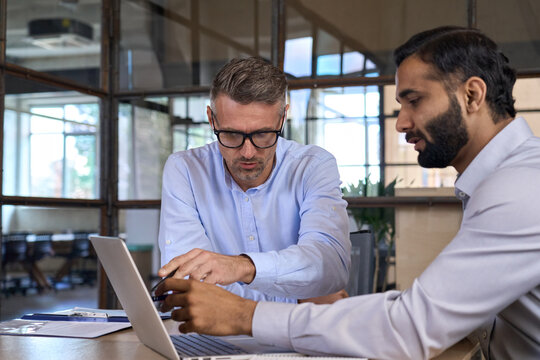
[326, 299]
[207, 309]
[211, 267]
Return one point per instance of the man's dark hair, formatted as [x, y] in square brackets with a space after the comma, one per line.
[247, 80]
[458, 53]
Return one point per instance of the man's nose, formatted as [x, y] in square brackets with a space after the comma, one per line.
[404, 122]
[248, 150]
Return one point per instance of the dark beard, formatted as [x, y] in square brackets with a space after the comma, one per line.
[449, 135]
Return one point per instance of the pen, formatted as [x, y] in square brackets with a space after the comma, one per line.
[161, 297]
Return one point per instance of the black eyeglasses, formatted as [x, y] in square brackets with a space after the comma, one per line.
[234, 139]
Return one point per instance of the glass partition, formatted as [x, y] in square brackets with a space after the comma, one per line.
[47, 248]
[349, 38]
[190, 124]
[144, 144]
[51, 147]
[140, 229]
[174, 44]
[58, 37]
[514, 26]
[528, 102]
[344, 121]
[149, 131]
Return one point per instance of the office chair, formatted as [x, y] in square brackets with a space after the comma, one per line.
[79, 254]
[362, 263]
[14, 250]
[39, 249]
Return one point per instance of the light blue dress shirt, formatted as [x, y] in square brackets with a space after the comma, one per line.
[487, 278]
[294, 227]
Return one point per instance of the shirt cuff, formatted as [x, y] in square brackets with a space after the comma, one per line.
[270, 323]
[266, 273]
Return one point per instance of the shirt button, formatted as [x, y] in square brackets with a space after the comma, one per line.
[462, 194]
[246, 199]
[251, 237]
[333, 208]
[168, 242]
[484, 334]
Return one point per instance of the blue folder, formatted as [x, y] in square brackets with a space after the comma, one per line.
[79, 317]
[62, 317]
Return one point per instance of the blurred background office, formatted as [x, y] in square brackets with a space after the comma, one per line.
[95, 94]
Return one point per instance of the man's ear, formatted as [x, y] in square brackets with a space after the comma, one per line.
[209, 116]
[475, 94]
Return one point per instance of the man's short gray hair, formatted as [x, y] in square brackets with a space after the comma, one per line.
[248, 80]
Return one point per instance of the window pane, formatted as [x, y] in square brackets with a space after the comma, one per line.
[298, 56]
[526, 92]
[533, 119]
[357, 38]
[192, 136]
[334, 119]
[346, 141]
[140, 228]
[52, 111]
[61, 38]
[61, 225]
[328, 54]
[514, 26]
[351, 175]
[295, 128]
[391, 106]
[42, 125]
[10, 162]
[192, 107]
[82, 113]
[374, 146]
[298, 44]
[374, 174]
[528, 103]
[149, 135]
[174, 44]
[328, 64]
[43, 156]
[145, 142]
[80, 177]
[397, 150]
[46, 155]
[417, 176]
[353, 62]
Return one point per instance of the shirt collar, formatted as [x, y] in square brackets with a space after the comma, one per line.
[494, 153]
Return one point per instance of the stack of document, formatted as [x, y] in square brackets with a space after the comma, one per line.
[76, 322]
[80, 314]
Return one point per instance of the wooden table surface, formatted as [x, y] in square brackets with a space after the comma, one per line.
[124, 344]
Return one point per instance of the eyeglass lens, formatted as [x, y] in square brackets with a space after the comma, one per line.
[262, 139]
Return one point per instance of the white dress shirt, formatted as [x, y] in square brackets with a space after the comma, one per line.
[488, 277]
[294, 227]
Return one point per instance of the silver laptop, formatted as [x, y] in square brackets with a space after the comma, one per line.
[141, 312]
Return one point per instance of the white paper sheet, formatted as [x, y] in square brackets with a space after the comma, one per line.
[77, 329]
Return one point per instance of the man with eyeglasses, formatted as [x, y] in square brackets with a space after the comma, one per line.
[256, 213]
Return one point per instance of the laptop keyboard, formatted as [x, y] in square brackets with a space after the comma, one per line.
[203, 345]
